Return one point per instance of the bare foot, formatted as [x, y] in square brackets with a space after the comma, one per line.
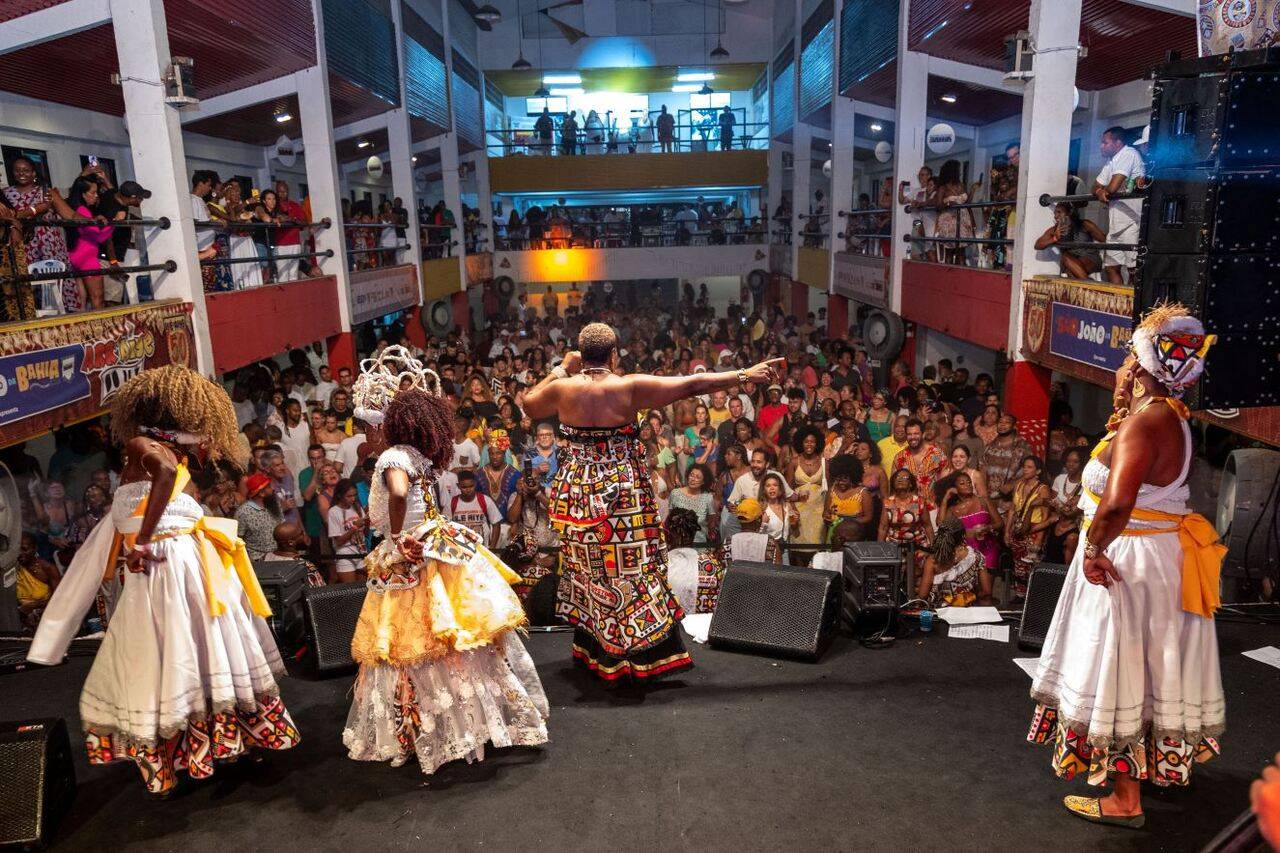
[1118, 806]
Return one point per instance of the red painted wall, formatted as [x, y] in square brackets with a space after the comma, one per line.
[248, 325]
[970, 304]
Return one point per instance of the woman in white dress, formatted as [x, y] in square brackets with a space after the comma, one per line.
[186, 674]
[241, 239]
[442, 671]
[1128, 683]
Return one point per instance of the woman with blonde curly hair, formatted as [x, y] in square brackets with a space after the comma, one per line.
[186, 674]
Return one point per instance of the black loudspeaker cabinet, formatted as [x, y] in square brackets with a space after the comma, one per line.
[1186, 117]
[37, 780]
[1194, 211]
[332, 613]
[872, 580]
[781, 611]
[1044, 588]
[282, 583]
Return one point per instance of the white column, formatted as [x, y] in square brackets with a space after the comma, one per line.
[801, 193]
[773, 192]
[400, 135]
[484, 199]
[908, 146]
[159, 159]
[842, 195]
[321, 160]
[449, 178]
[1047, 105]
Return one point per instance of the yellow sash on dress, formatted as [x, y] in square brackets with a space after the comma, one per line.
[221, 552]
[1202, 554]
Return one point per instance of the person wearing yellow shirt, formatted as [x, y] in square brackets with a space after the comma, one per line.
[892, 444]
[718, 408]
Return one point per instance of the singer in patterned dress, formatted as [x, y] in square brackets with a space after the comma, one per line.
[1128, 684]
[186, 674]
[613, 584]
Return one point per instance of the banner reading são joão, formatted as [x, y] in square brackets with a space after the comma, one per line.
[62, 370]
[1091, 337]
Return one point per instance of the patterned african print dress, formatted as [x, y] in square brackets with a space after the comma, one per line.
[613, 582]
[187, 671]
[1129, 679]
[442, 670]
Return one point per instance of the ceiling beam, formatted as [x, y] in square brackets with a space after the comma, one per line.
[55, 22]
[988, 78]
[363, 126]
[267, 90]
[1186, 8]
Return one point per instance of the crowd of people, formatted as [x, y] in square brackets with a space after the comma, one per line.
[826, 456]
[567, 134]
[561, 226]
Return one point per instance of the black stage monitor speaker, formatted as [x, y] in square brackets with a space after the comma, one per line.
[1044, 587]
[872, 580]
[282, 583]
[37, 780]
[1198, 210]
[1186, 118]
[783, 611]
[332, 613]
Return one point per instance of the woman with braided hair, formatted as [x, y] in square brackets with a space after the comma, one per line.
[952, 570]
[442, 671]
[186, 674]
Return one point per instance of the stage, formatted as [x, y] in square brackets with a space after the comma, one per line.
[915, 747]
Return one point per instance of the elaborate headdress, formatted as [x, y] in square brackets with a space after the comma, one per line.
[1171, 345]
[382, 377]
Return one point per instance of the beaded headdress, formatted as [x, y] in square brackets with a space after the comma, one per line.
[386, 374]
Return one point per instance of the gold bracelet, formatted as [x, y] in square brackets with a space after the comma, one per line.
[742, 376]
[1090, 550]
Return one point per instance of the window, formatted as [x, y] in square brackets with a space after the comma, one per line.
[714, 101]
[39, 158]
[533, 106]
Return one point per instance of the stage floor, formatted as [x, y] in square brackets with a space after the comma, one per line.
[919, 746]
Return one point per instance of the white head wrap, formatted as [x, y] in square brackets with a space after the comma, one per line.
[1171, 345]
[381, 378]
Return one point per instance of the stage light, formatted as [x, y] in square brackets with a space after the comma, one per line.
[562, 79]
[695, 76]
[948, 99]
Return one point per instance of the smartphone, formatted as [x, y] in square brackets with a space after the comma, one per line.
[255, 192]
[93, 160]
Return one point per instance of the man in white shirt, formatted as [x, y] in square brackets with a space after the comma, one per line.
[349, 450]
[1123, 170]
[687, 219]
[748, 485]
[324, 387]
[466, 453]
[202, 183]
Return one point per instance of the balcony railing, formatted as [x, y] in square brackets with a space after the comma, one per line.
[949, 244]
[249, 254]
[607, 234]
[685, 137]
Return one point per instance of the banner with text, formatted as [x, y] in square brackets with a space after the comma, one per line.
[862, 277]
[58, 372]
[1087, 336]
[378, 292]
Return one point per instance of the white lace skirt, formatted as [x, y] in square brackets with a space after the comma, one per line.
[1121, 660]
[447, 708]
[165, 660]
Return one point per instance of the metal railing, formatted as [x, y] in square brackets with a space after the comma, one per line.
[1047, 200]
[604, 234]
[686, 137]
[954, 247]
[268, 247]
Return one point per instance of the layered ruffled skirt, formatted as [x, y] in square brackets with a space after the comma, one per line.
[442, 671]
[1128, 682]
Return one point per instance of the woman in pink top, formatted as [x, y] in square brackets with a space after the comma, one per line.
[85, 241]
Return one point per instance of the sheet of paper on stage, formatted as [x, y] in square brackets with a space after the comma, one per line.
[1028, 665]
[969, 615]
[999, 633]
[1267, 654]
[697, 626]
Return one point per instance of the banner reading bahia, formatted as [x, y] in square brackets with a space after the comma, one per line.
[1088, 336]
[40, 380]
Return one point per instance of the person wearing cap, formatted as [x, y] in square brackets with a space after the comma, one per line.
[772, 411]
[750, 544]
[115, 206]
[1128, 687]
[1121, 174]
[259, 515]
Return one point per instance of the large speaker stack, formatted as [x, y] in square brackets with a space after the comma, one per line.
[1211, 224]
[37, 781]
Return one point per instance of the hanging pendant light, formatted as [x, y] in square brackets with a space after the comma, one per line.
[719, 52]
[521, 64]
[706, 89]
[487, 14]
[542, 92]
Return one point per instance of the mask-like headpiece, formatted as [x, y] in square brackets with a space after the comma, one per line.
[1171, 345]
